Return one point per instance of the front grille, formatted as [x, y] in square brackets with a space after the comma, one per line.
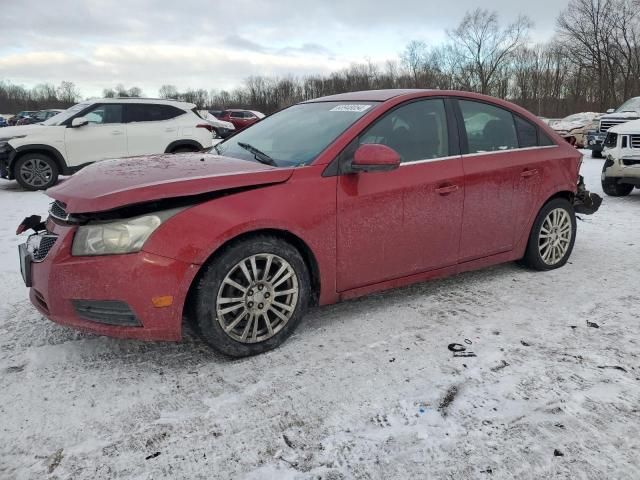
[42, 250]
[606, 124]
[58, 210]
[635, 141]
[630, 162]
[110, 312]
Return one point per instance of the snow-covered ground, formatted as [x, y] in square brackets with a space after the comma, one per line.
[365, 389]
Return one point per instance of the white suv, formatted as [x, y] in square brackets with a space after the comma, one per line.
[96, 130]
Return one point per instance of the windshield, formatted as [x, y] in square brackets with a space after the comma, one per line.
[295, 136]
[631, 105]
[65, 115]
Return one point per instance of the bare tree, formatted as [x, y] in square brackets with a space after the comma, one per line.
[482, 47]
[68, 93]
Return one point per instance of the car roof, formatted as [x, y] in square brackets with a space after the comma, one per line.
[152, 101]
[370, 95]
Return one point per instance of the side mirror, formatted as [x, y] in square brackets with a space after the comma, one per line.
[373, 157]
[611, 110]
[79, 122]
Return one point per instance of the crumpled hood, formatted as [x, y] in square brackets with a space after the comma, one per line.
[568, 126]
[628, 128]
[111, 184]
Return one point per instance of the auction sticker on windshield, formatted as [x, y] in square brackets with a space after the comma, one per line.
[351, 108]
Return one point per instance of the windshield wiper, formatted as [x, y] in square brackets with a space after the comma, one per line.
[258, 154]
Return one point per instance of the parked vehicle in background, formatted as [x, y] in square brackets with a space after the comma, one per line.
[39, 117]
[96, 130]
[621, 170]
[628, 111]
[20, 115]
[221, 129]
[216, 113]
[3, 122]
[549, 121]
[297, 210]
[574, 127]
[241, 118]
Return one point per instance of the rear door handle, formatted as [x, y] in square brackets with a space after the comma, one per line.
[447, 189]
[117, 132]
[529, 173]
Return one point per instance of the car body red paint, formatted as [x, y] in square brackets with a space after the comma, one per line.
[362, 232]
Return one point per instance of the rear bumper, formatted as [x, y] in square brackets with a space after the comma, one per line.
[586, 202]
[62, 287]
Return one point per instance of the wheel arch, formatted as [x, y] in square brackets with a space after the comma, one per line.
[47, 150]
[298, 243]
[183, 143]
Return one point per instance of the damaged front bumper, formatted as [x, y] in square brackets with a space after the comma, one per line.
[586, 202]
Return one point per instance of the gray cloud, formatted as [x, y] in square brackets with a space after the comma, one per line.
[215, 44]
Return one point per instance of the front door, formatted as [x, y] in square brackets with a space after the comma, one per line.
[103, 137]
[407, 221]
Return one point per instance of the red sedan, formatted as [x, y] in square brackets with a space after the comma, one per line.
[241, 118]
[326, 200]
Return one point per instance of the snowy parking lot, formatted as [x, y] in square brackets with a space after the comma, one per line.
[548, 386]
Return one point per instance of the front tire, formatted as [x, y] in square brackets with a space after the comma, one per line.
[610, 185]
[36, 171]
[252, 296]
[552, 236]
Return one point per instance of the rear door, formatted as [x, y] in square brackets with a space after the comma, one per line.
[151, 127]
[104, 136]
[501, 180]
[407, 221]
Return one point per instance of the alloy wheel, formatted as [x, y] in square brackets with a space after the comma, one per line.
[555, 236]
[257, 298]
[36, 172]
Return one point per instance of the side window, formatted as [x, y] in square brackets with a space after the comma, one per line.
[140, 112]
[107, 113]
[544, 140]
[527, 133]
[237, 115]
[417, 131]
[489, 128]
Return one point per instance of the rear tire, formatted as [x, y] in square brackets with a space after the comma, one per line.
[552, 236]
[242, 304]
[36, 171]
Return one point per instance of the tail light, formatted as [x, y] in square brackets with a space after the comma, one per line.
[205, 125]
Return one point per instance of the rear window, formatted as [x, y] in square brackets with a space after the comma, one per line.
[151, 113]
[527, 133]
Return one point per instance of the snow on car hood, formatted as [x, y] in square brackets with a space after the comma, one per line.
[620, 115]
[568, 126]
[111, 184]
[629, 128]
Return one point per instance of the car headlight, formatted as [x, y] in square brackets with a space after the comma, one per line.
[117, 237]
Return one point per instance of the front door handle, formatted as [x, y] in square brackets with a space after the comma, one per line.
[117, 132]
[446, 189]
[529, 173]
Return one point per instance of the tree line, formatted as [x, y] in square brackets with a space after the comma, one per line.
[591, 64]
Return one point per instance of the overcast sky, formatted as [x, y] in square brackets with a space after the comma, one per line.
[216, 44]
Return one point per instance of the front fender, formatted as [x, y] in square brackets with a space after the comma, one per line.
[304, 207]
